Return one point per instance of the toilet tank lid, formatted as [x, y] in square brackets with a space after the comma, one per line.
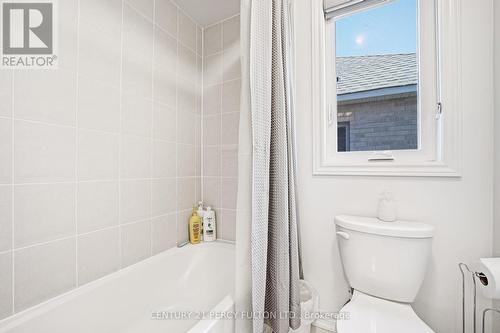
[375, 226]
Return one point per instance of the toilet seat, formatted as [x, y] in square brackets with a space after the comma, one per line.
[369, 314]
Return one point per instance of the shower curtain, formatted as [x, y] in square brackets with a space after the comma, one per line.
[268, 266]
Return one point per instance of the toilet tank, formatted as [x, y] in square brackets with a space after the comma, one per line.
[384, 259]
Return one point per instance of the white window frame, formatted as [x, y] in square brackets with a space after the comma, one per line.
[440, 151]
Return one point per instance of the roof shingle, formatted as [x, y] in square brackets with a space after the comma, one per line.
[364, 73]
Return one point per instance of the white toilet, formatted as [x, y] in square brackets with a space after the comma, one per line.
[385, 264]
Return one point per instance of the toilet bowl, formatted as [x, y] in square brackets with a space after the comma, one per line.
[385, 264]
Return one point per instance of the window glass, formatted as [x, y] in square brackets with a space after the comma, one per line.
[377, 78]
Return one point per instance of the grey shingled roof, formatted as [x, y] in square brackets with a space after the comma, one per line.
[364, 73]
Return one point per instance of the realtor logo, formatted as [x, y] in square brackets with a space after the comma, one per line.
[28, 38]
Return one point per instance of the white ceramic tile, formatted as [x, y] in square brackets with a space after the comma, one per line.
[43, 153]
[164, 233]
[186, 127]
[165, 50]
[231, 96]
[212, 99]
[186, 96]
[231, 32]
[137, 32]
[212, 39]
[228, 192]
[229, 161]
[135, 200]
[166, 16]
[137, 114]
[43, 213]
[145, 7]
[98, 106]
[186, 164]
[229, 128]
[212, 69]
[164, 159]
[198, 193]
[100, 40]
[5, 285]
[182, 226]
[211, 158]
[186, 193]
[164, 124]
[97, 205]
[227, 225]
[6, 93]
[42, 272]
[98, 154]
[98, 254]
[187, 31]
[211, 130]
[137, 53]
[164, 85]
[211, 191]
[67, 33]
[164, 196]
[135, 157]
[186, 64]
[231, 64]
[103, 16]
[5, 151]
[48, 96]
[135, 242]
[199, 41]
[5, 218]
[197, 155]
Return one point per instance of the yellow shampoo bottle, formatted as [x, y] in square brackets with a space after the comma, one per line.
[195, 227]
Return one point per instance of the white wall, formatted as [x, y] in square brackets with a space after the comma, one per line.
[460, 209]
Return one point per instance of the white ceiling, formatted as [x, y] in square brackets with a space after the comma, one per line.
[206, 12]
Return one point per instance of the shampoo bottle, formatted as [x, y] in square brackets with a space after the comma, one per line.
[195, 227]
[209, 225]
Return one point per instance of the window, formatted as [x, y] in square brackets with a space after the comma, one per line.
[380, 91]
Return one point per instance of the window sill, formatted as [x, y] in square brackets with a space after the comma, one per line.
[388, 169]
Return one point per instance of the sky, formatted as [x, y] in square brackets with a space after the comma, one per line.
[391, 28]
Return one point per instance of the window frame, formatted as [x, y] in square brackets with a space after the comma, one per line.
[441, 154]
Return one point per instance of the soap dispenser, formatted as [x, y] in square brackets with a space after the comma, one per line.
[387, 208]
[209, 225]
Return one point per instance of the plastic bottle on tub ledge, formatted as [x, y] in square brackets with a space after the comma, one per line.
[209, 225]
[195, 227]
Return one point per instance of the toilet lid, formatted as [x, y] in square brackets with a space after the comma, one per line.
[368, 314]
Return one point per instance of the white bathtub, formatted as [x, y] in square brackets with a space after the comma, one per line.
[192, 278]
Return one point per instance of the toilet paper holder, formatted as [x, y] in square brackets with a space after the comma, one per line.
[483, 279]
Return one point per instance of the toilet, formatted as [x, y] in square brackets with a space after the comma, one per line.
[385, 264]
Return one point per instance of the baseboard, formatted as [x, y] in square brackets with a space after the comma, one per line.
[325, 324]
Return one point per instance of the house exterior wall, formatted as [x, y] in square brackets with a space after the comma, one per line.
[389, 123]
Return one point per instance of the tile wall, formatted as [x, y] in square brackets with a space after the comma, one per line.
[100, 160]
[221, 106]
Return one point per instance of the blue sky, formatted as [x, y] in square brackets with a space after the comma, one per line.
[391, 28]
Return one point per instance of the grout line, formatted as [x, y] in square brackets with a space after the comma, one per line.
[77, 105]
[151, 154]
[221, 21]
[43, 243]
[177, 126]
[202, 119]
[12, 105]
[120, 252]
[219, 182]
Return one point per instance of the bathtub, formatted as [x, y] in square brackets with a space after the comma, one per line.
[144, 298]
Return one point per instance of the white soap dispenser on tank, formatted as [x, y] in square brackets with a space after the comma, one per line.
[209, 225]
[387, 207]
